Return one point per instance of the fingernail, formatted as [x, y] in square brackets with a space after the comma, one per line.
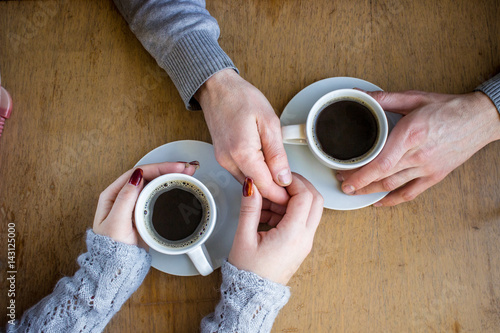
[377, 204]
[285, 177]
[339, 177]
[182, 162]
[248, 187]
[196, 164]
[136, 177]
[348, 189]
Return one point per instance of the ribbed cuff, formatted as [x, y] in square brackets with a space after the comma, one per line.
[192, 61]
[492, 89]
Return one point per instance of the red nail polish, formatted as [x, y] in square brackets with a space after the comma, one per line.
[196, 164]
[248, 187]
[136, 177]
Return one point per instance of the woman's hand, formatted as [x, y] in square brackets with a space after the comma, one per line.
[115, 209]
[276, 254]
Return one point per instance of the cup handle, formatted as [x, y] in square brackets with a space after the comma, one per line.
[201, 260]
[294, 134]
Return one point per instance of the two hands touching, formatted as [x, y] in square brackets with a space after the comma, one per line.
[437, 134]
[275, 254]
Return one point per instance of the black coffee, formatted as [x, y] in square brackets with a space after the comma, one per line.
[176, 214]
[346, 130]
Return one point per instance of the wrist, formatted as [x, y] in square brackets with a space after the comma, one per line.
[489, 114]
[215, 86]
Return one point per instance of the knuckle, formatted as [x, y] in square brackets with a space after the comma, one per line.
[240, 154]
[223, 158]
[317, 197]
[408, 196]
[102, 196]
[385, 165]
[389, 184]
[414, 137]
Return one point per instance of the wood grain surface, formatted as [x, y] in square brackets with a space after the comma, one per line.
[89, 102]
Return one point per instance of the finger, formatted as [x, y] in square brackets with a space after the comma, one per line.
[154, 170]
[316, 208]
[273, 207]
[108, 196]
[270, 218]
[299, 205]
[124, 204]
[250, 211]
[406, 193]
[255, 167]
[384, 164]
[150, 171]
[274, 151]
[399, 102]
[392, 182]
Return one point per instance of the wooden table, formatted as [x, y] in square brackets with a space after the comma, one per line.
[89, 102]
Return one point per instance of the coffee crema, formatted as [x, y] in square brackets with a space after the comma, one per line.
[177, 214]
[346, 130]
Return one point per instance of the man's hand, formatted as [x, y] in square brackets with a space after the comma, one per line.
[437, 134]
[246, 133]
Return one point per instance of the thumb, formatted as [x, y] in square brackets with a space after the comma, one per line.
[397, 102]
[274, 152]
[251, 207]
[124, 204]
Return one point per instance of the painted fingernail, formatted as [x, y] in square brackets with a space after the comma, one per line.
[136, 177]
[377, 204]
[196, 164]
[285, 177]
[348, 189]
[248, 187]
[339, 177]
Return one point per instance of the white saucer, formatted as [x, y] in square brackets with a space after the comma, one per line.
[302, 160]
[225, 190]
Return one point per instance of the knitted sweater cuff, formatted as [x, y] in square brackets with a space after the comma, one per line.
[193, 60]
[492, 89]
[249, 303]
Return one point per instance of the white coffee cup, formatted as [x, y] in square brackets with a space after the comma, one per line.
[194, 244]
[304, 134]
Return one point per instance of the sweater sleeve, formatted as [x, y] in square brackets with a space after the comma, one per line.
[492, 89]
[248, 303]
[110, 272]
[182, 37]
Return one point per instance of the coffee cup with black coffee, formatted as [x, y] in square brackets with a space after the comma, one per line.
[176, 214]
[345, 129]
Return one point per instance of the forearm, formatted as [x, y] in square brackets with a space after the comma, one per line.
[182, 37]
[109, 273]
[248, 303]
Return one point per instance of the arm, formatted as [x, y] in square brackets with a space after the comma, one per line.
[260, 264]
[436, 135]
[113, 268]
[182, 37]
[109, 273]
[246, 133]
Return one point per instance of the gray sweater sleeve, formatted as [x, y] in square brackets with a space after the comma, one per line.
[182, 37]
[248, 303]
[109, 273]
[492, 89]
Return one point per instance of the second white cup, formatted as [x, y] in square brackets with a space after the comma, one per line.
[345, 129]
